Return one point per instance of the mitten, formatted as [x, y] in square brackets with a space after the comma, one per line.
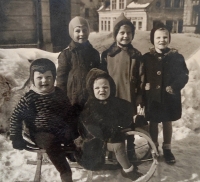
[19, 144]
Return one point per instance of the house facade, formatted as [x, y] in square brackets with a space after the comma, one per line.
[36, 23]
[143, 14]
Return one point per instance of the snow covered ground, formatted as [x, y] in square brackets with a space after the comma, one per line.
[186, 137]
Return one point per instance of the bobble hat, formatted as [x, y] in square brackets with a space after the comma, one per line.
[122, 20]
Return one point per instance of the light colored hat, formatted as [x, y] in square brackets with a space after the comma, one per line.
[75, 22]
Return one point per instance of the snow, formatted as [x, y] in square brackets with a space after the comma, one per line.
[185, 142]
[137, 5]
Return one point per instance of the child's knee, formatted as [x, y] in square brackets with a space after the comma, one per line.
[119, 148]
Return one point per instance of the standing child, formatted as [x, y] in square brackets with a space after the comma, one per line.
[122, 61]
[165, 74]
[101, 121]
[75, 61]
[46, 113]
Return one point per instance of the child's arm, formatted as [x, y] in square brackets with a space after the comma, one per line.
[16, 124]
[63, 70]
[181, 75]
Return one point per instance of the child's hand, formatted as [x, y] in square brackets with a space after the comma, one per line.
[78, 142]
[169, 90]
[147, 86]
[19, 144]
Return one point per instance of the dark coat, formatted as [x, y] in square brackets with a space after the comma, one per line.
[101, 122]
[123, 66]
[74, 63]
[160, 71]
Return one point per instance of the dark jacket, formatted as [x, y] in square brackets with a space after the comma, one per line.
[101, 122]
[74, 63]
[123, 66]
[160, 71]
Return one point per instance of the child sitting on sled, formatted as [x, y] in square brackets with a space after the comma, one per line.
[100, 125]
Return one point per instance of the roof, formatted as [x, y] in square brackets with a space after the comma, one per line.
[137, 5]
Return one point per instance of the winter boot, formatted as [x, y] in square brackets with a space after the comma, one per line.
[66, 177]
[133, 175]
[169, 157]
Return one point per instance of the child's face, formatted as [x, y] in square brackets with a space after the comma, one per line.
[81, 34]
[43, 81]
[161, 39]
[101, 88]
[124, 35]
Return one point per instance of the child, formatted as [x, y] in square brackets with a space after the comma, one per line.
[46, 112]
[122, 61]
[165, 74]
[100, 122]
[75, 61]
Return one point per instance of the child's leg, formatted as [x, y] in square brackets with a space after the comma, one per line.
[128, 169]
[131, 147]
[119, 150]
[53, 149]
[167, 136]
[153, 130]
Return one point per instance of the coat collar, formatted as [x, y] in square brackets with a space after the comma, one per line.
[74, 46]
[114, 49]
[167, 52]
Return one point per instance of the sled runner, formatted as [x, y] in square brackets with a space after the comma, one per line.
[145, 156]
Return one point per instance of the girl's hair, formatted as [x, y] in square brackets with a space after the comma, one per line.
[158, 26]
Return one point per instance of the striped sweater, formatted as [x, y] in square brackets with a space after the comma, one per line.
[47, 113]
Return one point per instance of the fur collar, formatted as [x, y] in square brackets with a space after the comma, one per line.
[167, 52]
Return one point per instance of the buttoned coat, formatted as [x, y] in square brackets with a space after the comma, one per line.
[160, 71]
[74, 63]
[123, 66]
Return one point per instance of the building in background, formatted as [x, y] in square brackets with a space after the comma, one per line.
[88, 10]
[178, 15]
[36, 23]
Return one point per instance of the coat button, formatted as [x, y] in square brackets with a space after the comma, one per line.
[158, 86]
[158, 72]
[159, 58]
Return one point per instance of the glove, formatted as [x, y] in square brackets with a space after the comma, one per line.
[19, 144]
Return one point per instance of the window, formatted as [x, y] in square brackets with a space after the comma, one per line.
[182, 3]
[121, 4]
[86, 12]
[167, 3]
[105, 25]
[101, 25]
[139, 25]
[158, 4]
[108, 25]
[113, 4]
[176, 3]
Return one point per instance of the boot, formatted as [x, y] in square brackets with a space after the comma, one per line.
[133, 175]
[169, 157]
[66, 177]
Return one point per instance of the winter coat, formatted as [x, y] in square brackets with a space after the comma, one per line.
[123, 66]
[41, 113]
[101, 122]
[74, 63]
[160, 71]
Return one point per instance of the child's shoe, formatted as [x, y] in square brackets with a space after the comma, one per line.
[169, 157]
[66, 177]
[133, 175]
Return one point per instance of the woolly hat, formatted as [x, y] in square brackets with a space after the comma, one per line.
[42, 65]
[77, 21]
[95, 73]
[157, 26]
[122, 20]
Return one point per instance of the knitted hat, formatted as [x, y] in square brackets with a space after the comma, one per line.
[77, 21]
[95, 73]
[122, 20]
[42, 65]
[157, 26]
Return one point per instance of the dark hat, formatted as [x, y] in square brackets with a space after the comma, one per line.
[95, 73]
[161, 26]
[122, 20]
[42, 65]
